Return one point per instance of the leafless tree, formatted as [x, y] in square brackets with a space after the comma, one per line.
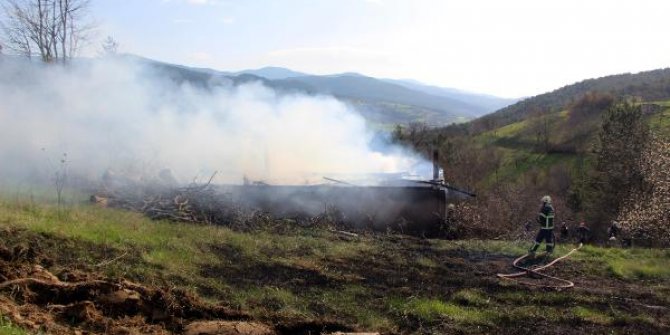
[52, 29]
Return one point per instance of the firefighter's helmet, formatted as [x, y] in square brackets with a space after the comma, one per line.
[546, 199]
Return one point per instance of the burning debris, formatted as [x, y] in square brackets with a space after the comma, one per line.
[194, 203]
[417, 208]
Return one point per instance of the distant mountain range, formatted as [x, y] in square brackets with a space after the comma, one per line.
[273, 73]
[383, 102]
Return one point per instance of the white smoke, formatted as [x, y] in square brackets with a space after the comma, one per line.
[114, 114]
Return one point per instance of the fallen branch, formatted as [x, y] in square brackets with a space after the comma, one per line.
[30, 280]
[104, 263]
[345, 233]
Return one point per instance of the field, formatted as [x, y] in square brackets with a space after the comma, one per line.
[308, 281]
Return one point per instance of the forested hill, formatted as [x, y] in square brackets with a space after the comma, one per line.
[648, 86]
[597, 147]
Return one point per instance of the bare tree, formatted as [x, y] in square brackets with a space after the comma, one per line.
[52, 29]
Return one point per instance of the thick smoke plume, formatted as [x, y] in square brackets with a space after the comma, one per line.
[125, 117]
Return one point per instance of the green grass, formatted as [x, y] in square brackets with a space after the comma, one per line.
[517, 149]
[665, 103]
[634, 263]
[471, 297]
[347, 302]
[8, 328]
[371, 282]
[640, 269]
[516, 163]
[509, 248]
[510, 130]
[426, 262]
[270, 298]
[180, 251]
[591, 315]
[660, 122]
[431, 310]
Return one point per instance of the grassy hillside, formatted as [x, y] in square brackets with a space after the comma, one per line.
[389, 283]
[374, 90]
[524, 144]
[544, 132]
[647, 86]
[555, 151]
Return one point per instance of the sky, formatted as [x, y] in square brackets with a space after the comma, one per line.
[514, 48]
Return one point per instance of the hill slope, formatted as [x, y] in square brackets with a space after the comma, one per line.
[273, 73]
[367, 88]
[473, 104]
[546, 145]
[485, 103]
[383, 104]
[648, 86]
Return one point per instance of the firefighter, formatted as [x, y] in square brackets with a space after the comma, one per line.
[565, 232]
[546, 220]
[583, 233]
[613, 231]
[449, 224]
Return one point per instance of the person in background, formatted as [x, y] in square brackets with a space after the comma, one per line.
[583, 233]
[565, 232]
[546, 220]
[613, 231]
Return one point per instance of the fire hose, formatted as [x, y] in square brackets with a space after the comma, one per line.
[536, 271]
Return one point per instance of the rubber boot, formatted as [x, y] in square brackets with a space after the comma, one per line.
[533, 249]
[550, 251]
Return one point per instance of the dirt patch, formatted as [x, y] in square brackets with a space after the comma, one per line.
[66, 300]
[49, 250]
[228, 328]
[296, 327]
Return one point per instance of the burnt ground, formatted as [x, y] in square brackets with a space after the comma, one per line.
[415, 286]
[41, 291]
[406, 268]
[55, 292]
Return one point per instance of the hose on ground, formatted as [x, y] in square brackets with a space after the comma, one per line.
[564, 283]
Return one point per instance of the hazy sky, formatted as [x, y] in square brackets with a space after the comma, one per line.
[508, 48]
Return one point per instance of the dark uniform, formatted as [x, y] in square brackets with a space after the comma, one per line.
[565, 232]
[614, 230]
[546, 220]
[583, 233]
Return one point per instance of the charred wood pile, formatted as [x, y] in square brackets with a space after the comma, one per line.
[414, 210]
[195, 203]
